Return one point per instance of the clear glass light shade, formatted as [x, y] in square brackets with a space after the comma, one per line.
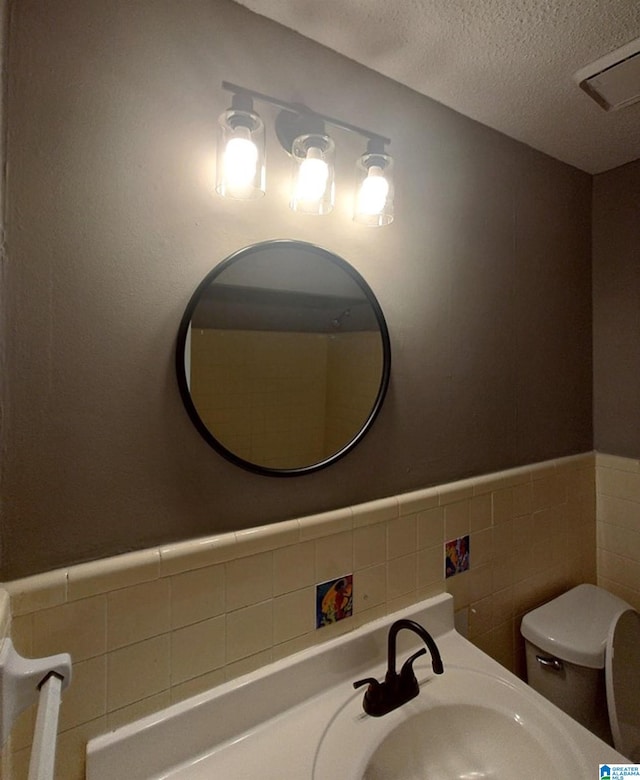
[240, 170]
[313, 175]
[374, 194]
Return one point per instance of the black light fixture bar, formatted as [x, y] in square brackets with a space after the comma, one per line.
[300, 108]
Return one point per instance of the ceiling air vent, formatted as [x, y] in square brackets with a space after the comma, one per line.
[614, 80]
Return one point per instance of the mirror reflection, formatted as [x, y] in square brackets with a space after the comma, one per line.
[283, 357]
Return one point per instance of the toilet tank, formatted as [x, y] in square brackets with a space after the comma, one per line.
[565, 643]
[577, 690]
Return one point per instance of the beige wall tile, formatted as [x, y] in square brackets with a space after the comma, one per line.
[480, 582]
[71, 749]
[248, 580]
[22, 731]
[503, 606]
[619, 511]
[456, 520]
[480, 617]
[249, 631]
[480, 512]
[334, 556]
[137, 672]
[618, 540]
[137, 613]
[458, 587]
[293, 614]
[293, 567]
[522, 532]
[401, 576]
[402, 536]
[547, 492]
[503, 572]
[197, 649]
[503, 541]
[431, 527]
[622, 484]
[78, 628]
[430, 563]
[481, 547]
[369, 545]
[197, 595]
[522, 496]
[502, 505]
[86, 697]
[370, 588]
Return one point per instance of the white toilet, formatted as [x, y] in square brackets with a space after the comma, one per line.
[583, 654]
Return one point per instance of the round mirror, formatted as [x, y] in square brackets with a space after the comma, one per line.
[283, 358]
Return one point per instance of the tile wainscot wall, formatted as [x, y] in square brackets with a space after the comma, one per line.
[618, 515]
[150, 628]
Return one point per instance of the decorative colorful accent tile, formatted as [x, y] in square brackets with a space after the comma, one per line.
[456, 556]
[334, 600]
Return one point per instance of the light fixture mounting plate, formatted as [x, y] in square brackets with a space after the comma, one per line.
[290, 125]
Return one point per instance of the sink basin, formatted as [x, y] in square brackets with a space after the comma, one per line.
[464, 724]
[459, 741]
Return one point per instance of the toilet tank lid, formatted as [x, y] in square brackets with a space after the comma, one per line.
[575, 625]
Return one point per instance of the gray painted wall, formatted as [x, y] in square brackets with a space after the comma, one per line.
[616, 312]
[484, 277]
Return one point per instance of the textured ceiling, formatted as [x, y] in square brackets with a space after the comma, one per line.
[506, 63]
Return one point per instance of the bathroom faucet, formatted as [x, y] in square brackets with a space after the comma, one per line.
[397, 689]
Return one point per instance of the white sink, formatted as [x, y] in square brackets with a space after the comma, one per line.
[464, 724]
[300, 719]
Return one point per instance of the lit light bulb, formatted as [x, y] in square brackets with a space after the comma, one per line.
[240, 162]
[312, 176]
[373, 192]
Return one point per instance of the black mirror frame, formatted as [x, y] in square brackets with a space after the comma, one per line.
[181, 373]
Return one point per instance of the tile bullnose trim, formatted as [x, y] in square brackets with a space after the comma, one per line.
[40, 591]
[619, 462]
[325, 524]
[53, 588]
[180, 557]
[120, 571]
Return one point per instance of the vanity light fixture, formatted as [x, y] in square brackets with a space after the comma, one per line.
[302, 134]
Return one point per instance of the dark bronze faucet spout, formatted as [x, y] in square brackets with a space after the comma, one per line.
[411, 625]
[397, 689]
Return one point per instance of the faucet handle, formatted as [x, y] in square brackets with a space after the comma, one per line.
[407, 673]
[370, 681]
